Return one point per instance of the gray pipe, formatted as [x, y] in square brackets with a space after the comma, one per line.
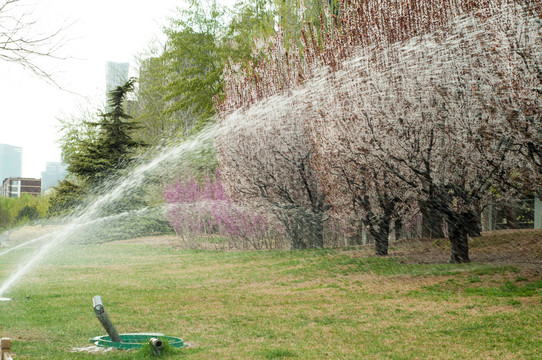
[99, 310]
[156, 343]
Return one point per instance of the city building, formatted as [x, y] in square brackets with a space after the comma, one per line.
[54, 173]
[116, 74]
[11, 159]
[15, 187]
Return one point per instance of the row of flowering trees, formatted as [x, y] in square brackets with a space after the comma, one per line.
[394, 108]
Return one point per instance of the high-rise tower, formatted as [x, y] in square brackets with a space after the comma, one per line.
[11, 159]
[116, 74]
[54, 173]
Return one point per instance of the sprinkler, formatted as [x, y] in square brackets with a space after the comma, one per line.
[156, 345]
[99, 310]
[128, 341]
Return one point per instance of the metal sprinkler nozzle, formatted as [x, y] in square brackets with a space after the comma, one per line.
[156, 345]
[99, 310]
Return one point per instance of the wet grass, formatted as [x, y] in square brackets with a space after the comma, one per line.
[325, 304]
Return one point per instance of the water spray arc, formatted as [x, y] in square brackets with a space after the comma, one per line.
[91, 213]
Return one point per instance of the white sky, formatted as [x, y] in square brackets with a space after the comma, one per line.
[100, 31]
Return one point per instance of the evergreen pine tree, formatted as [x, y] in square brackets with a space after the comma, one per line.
[114, 147]
[102, 157]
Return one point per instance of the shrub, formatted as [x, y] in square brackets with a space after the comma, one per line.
[199, 210]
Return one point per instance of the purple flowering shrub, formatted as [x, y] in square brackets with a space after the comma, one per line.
[200, 211]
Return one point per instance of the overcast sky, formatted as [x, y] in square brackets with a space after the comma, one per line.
[99, 31]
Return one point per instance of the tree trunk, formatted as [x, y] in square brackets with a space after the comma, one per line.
[357, 236]
[398, 228]
[432, 220]
[474, 224]
[315, 229]
[381, 237]
[298, 243]
[294, 230]
[381, 242]
[509, 214]
[458, 233]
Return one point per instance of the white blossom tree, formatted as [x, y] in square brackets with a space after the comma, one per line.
[265, 160]
[428, 102]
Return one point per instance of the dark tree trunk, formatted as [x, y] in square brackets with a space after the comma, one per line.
[474, 224]
[458, 233]
[316, 231]
[398, 228]
[381, 237]
[298, 243]
[432, 220]
[381, 242]
[294, 228]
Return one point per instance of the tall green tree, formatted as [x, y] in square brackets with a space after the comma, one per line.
[194, 57]
[76, 130]
[156, 126]
[250, 20]
[200, 41]
[293, 16]
[93, 159]
[113, 148]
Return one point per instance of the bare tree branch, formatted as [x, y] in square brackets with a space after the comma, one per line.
[22, 42]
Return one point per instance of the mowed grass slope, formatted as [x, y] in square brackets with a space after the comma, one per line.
[314, 304]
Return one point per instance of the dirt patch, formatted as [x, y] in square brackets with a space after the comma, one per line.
[518, 248]
[27, 233]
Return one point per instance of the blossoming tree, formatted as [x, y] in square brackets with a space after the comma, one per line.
[421, 104]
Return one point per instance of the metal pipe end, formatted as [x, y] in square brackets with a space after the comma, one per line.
[156, 343]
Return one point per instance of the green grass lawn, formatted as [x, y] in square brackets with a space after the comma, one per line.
[327, 304]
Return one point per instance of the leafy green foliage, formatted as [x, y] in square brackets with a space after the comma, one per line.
[67, 196]
[102, 154]
[28, 213]
[194, 57]
[156, 127]
[251, 19]
[179, 86]
[294, 15]
[16, 211]
[113, 147]
[75, 131]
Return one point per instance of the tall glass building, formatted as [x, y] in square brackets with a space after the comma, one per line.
[116, 74]
[54, 173]
[11, 160]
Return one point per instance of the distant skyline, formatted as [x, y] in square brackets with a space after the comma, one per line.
[98, 31]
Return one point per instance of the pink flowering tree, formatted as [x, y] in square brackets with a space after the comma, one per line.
[202, 210]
